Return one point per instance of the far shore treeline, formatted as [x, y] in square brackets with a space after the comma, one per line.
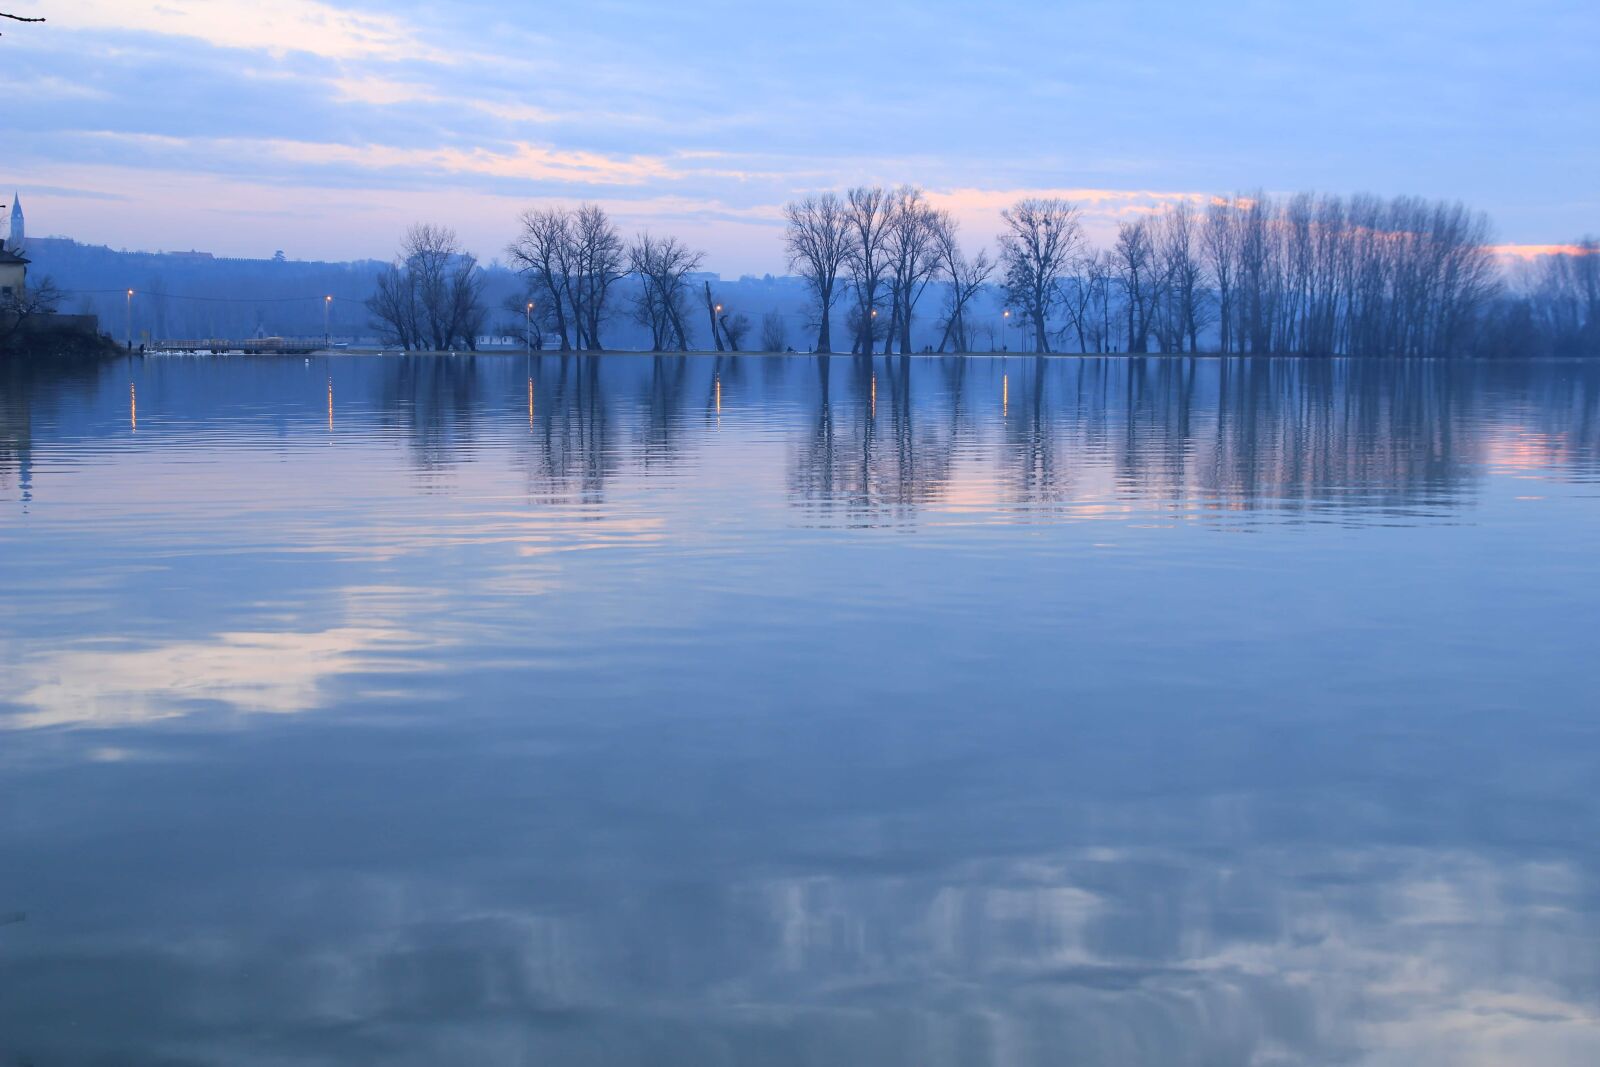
[1303, 275]
[881, 269]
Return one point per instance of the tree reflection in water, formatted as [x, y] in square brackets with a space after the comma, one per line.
[825, 709]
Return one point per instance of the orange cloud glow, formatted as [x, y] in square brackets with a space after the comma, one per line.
[1530, 252]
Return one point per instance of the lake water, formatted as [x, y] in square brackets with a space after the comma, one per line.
[726, 711]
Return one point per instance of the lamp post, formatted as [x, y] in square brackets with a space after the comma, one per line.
[327, 309]
[130, 318]
[527, 326]
[1005, 322]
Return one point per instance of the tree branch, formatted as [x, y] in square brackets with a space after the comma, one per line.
[17, 18]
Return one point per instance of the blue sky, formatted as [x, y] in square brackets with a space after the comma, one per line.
[323, 127]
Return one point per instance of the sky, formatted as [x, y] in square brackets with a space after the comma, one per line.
[325, 127]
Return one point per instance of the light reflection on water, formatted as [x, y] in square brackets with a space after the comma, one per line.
[743, 710]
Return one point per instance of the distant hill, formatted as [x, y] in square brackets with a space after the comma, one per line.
[198, 295]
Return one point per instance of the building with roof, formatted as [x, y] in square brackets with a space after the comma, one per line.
[13, 274]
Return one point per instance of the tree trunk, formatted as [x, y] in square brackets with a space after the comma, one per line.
[677, 328]
[824, 334]
[711, 314]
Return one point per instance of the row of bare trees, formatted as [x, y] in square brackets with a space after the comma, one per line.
[572, 260]
[1551, 306]
[883, 248]
[1364, 276]
[1311, 275]
[1306, 275]
[573, 257]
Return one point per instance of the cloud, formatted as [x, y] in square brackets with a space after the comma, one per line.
[49, 87]
[98, 684]
[278, 28]
[978, 210]
[276, 673]
[523, 160]
[996, 200]
[379, 91]
[1531, 252]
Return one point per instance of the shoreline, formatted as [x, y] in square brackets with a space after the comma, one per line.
[704, 354]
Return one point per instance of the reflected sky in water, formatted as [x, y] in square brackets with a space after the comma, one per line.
[794, 711]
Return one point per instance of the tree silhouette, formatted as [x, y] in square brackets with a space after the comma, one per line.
[17, 18]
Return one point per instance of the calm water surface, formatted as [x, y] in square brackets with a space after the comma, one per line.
[695, 711]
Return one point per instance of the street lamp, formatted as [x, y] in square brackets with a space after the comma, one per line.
[130, 318]
[327, 308]
[1005, 322]
[527, 326]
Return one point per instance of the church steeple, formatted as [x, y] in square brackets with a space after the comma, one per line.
[18, 230]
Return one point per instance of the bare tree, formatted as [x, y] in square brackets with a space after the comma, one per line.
[1102, 320]
[1134, 258]
[663, 266]
[575, 256]
[1042, 237]
[18, 308]
[774, 332]
[432, 295]
[1178, 248]
[912, 254]
[1258, 272]
[964, 279]
[518, 321]
[1220, 240]
[713, 313]
[734, 328]
[542, 253]
[600, 261]
[1078, 299]
[395, 309]
[449, 286]
[867, 213]
[817, 237]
